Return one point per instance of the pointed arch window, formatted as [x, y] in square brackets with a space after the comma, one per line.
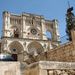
[16, 33]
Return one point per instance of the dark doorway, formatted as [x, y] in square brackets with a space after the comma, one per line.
[14, 56]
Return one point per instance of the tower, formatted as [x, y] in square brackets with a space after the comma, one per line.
[26, 34]
[70, 20]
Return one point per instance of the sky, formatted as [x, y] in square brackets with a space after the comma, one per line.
[50, 9]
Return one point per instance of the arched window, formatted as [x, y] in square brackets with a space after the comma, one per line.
[16, 33]
[48, 35]
[16, 49]
[35, 48]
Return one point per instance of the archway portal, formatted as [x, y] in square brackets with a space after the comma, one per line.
[16, 50]
[35, 48]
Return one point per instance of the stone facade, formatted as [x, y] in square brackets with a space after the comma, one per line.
[65, 53]
[51, 68]
[10, 68]
[58, 61]
[25, 34]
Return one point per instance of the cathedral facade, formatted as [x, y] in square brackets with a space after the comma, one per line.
[25, 34]
[36, 52]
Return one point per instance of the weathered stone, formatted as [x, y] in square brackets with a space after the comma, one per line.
[51, 68]
[10, 68]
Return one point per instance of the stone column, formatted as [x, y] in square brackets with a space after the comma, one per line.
[43, 29]
[24, 26]
[6, 24]
[56, 37]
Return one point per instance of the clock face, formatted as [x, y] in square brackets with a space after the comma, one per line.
[34, 31]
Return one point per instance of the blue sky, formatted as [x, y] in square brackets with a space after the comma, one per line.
[51, 9]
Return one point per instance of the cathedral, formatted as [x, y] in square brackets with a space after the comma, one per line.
[26, 34]
[34, 44]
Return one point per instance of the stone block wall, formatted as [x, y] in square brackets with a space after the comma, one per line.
[51, 68]
[10, 68]
[32, 71]
[64, 53]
